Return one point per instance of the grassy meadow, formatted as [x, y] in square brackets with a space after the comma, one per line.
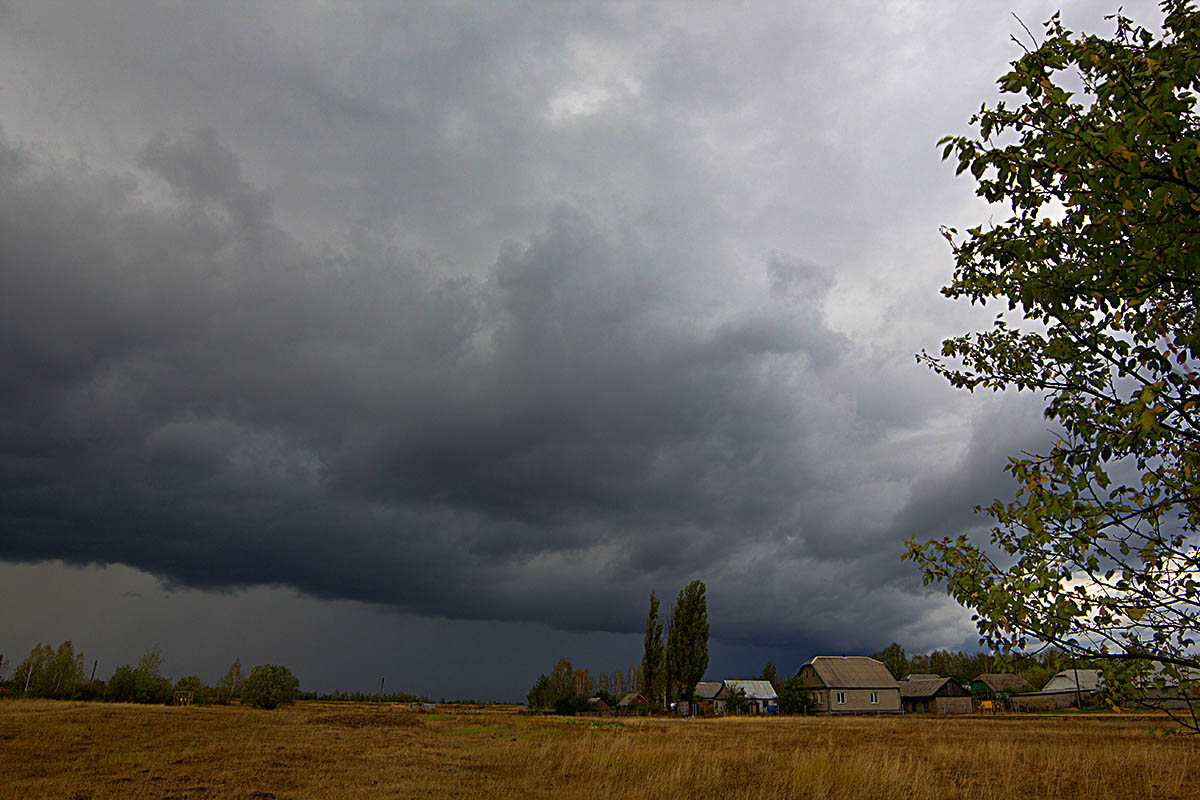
[78, 751]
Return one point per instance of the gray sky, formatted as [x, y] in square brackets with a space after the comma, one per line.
[425, 340]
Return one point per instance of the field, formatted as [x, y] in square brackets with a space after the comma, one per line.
[77, 751]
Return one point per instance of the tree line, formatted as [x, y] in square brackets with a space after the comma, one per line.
[1034, 668]
[60, 673]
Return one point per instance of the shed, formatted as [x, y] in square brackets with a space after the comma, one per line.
[934, 695]
[851, 685]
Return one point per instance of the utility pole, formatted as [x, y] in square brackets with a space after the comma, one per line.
[379, 699]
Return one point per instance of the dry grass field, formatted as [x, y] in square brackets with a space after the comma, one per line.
[73, 751]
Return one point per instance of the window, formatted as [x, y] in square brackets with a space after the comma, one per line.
[841, 697]
[875, 697]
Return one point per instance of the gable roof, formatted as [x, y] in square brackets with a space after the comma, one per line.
[851, 672]
[923, 686]
[755, 690]
[707, 690]
[1001, 682]
[633, 698]
[1089, 681]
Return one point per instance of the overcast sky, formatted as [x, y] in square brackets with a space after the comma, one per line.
[425, 340]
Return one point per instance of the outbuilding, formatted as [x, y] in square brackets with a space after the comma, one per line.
[930, 694]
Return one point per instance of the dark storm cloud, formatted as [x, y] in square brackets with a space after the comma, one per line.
[494, 312]
[194, 393]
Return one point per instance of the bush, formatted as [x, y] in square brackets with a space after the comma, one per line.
[270, 685]
[794, 697]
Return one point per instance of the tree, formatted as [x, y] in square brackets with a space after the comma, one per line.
[653, 656]
[230, 686]
[536, 698]
[894, 659]
[687, 652]
[794, 697]
[737, 702]
[269, 686]
[771, 674]
[562, 683]
[1098, 271]
[50, 672]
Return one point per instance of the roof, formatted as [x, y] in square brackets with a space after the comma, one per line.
[1001, 682]
[632, 698]
[755, 690]
[852, 672]
[1089, 681]
[926, 676]
[922, 686]
[707, 690]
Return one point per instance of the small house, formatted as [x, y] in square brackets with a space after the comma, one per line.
[1066, 689]
[760, 694]
[598, 705]
[634, 703]
[921, 694]
[706, 697]
[851, 685]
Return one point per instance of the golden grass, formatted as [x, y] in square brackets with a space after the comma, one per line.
[78, 751]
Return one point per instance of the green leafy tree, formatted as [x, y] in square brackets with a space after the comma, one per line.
[562, 683]
[652, 654]
[32, 674]
[687, 651]
[536, 698]
[794, 697]
[894, 659]
[50, 672]
[737, 702]
[230, 685]
[1097, 274]
[270, 686]
[770, 674]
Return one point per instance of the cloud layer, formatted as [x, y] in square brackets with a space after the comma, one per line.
[494, 314]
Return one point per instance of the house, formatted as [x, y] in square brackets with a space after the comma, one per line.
[760, 694]
[1089, 680]
[598, 705]
[706, 697]
[1066, 689]
[930, 694]
[990, 684]
[634, 703]
[850, 685]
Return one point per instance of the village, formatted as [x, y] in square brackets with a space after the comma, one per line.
[862, 685]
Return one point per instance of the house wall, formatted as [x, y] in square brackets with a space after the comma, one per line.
[952, 705]
[858, 701]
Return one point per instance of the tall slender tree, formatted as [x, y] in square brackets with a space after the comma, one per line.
[652, 657]
[688, 652]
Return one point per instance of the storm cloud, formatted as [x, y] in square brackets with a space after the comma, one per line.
[499, 314]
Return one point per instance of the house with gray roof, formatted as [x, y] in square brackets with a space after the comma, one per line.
[761, 695]
[850, 685]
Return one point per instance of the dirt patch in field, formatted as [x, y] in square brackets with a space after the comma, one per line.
[377, 720]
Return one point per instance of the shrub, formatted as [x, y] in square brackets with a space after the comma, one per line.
[270, 685]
